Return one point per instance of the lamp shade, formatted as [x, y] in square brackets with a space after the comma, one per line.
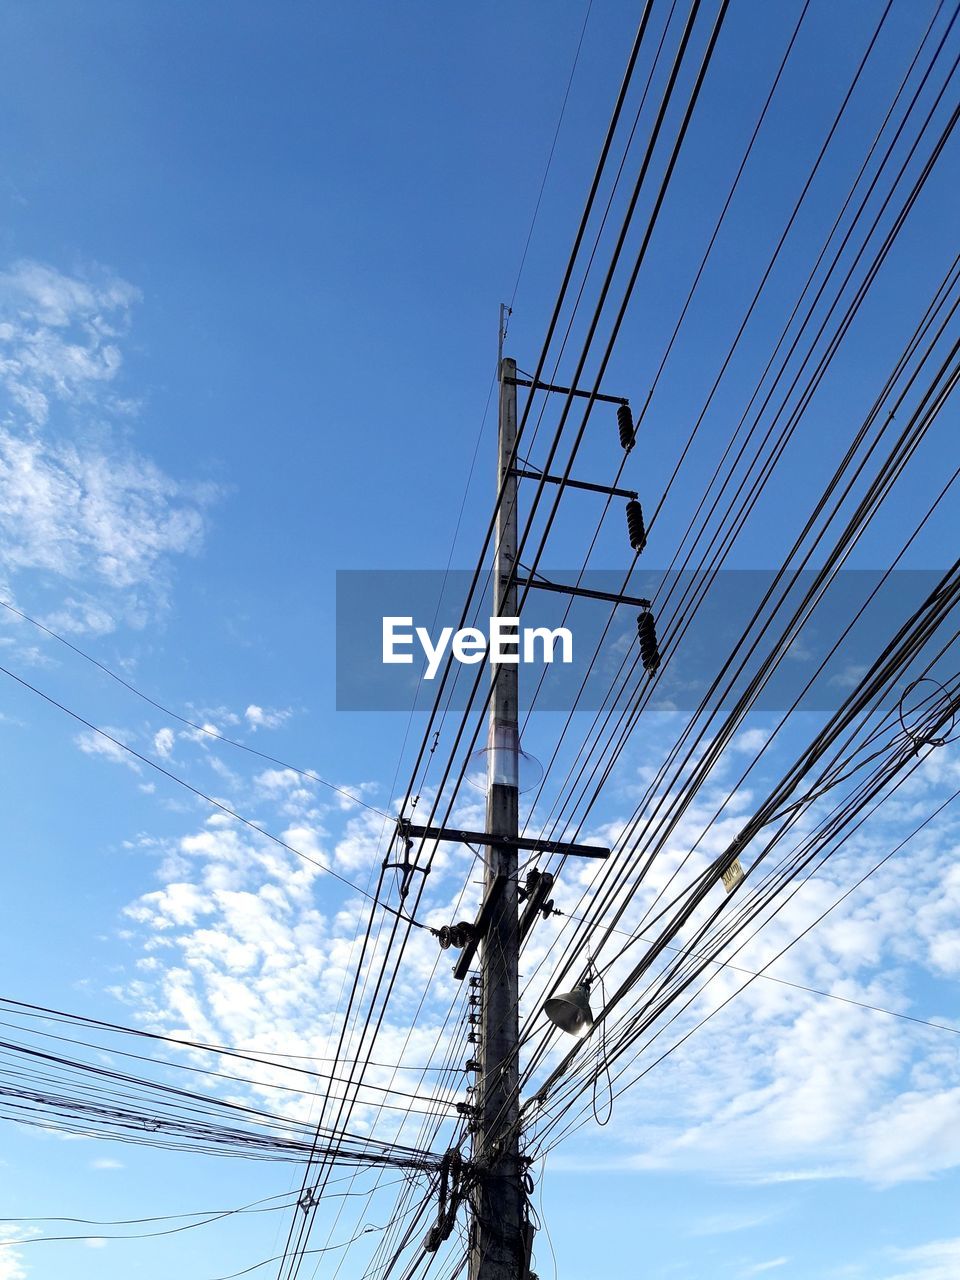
[571, 1010]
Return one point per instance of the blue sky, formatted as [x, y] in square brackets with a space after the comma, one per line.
[251, 259]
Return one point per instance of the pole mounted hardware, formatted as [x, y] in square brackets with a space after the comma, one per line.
[455, 935]
[568, 391]
[636, 530]
[405, 865]
[543, 584]
[534, 897]
[628, 432]
[532, 883]
[527, 473]
[570, 1010]
[625, 424]
[478, 929]
[457, 836]
[646, 630]
[647, 635]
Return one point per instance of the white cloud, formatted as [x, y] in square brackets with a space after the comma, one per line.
[11, 1263]
[204, 734]
[253, 946]
[80, 616]
[247, 944]
[75, 501]
[750, 741]
[937, 1260]
[258, 718]
[73, 511]
[163, 741]
[95, 744]
[278, 780]
[727, 1222]
[785, 1085]
[58, 335]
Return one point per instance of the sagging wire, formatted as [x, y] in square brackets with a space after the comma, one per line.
[603, 1055]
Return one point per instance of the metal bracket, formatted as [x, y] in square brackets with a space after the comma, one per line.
[456, 836]
[544, 585]
[480, 926]
[566, 391]
[524, 474]
[406, 866]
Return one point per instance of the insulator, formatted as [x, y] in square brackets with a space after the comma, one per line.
[473, 1038]
[455, 935]
[472, 1065]
[635, 527]
[628, 434]
[649, 654]
[475, 980]
[462, 933]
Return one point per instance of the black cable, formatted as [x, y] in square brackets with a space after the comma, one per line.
[202, 795]
[174, 715]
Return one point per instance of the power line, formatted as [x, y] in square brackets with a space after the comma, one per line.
[198, 728]
[784, 982]
[202, 795]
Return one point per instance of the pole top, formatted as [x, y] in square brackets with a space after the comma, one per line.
[505, 313]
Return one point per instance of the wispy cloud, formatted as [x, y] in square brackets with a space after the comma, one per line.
[727, 1222]
[95, 744]
[247, 944]
[260, 718]
[11, 1261]
[785, 1084]
[76, 500]
[937, 1260]
[59, 335]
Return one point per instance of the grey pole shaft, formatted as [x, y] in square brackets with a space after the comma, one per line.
[497, 1247]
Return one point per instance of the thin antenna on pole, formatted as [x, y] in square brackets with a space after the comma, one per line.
[505, 313]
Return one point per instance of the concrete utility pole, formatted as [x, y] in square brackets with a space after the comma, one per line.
[497, 1248]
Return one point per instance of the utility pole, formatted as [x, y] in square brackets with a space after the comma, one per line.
[500, 1234]
[497, 1247]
